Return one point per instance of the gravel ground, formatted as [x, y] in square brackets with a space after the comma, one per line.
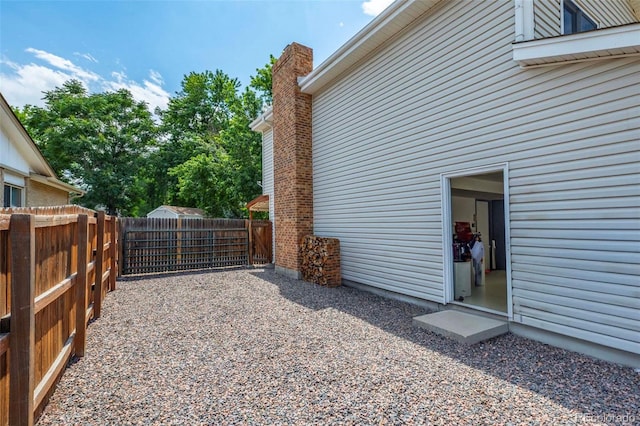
[252, 347]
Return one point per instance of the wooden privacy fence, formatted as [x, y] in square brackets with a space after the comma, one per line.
[56, 265]
[153, 245]
[260, 242]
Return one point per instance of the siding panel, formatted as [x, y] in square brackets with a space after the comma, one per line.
[546, 18]
[435, 100]
[608, 13]
[267, 179]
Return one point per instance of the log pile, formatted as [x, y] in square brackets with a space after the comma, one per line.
[320, 260]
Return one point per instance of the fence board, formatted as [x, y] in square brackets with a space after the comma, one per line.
[113, 252]
[99, 265]
[81, 284]
[261, 241]
[22, 341]
[152, 245]
[46, 305]
[4, 343]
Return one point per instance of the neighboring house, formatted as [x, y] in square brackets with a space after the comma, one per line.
[496, 115]
[173, 212]
[27, 178]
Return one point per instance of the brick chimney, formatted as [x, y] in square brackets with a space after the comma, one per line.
[292, 163]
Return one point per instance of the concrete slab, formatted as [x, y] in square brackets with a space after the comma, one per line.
[461, 326]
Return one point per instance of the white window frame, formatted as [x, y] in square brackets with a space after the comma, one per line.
[524, 20]
[22, 193]
[447, 236]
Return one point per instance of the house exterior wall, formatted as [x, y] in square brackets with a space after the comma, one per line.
[445, 96]
[267, 176]
[607, 13]
[547, 16]
[38, 194]
[10, 157]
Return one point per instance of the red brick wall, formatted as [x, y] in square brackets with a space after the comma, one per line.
[292, 164]
[38, 194]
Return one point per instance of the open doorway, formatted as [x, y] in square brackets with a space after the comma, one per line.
[475, 214]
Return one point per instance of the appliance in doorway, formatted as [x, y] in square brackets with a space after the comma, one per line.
[478, 199]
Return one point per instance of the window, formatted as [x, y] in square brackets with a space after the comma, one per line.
[575, 20]
[12, 196]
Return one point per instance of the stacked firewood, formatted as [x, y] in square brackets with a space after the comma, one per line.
[321, 260]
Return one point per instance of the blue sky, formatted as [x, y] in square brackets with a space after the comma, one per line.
[148, 46]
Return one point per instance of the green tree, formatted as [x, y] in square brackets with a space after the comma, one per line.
[262, 81]
[209, 157]
[202, 106]
[194, 116]
[96, 141]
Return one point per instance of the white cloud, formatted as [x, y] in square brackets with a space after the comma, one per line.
[156, 77]
[64, 64]
[88, 56]
[374, 7]
[27, 82]
[23, 84]
[150, 92]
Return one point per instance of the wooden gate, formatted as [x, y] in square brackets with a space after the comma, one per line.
[261, 242]
[151, 245]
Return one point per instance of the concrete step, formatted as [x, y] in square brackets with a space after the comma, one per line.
[461, 326]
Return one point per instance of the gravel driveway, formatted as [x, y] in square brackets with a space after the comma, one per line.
[252, 347]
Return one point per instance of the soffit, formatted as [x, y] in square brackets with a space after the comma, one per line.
[259, 204]
[263, 122]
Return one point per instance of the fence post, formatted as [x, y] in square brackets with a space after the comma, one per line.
[270, 242]
[22, 338]
[249, 226]
[113, 250]
[179, 241]
[97, 289]
[81, 286]
[122, 243]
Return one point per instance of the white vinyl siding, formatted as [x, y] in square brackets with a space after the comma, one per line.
[267, 176]
[439, 100]
[606, 13]
[11, 157]
[547, 15]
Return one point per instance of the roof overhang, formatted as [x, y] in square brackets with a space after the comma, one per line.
[263, 122]
[606, 43]
[392, 20]
[259, 204]
[40, 170]
[56, 183]
[28, 149]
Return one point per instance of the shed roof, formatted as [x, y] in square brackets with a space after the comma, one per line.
[183, 211]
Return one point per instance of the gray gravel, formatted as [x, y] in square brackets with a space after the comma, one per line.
[252, 347]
